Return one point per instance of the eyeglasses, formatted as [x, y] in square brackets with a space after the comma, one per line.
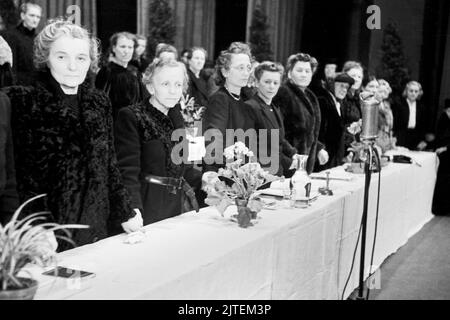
[242, 68]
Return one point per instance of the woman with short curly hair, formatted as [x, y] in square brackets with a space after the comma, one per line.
[226, 108]
[62, 131]
[301, 109]
[143, 133]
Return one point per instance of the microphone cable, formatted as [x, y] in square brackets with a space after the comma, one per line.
[376, 219]
[353, 260]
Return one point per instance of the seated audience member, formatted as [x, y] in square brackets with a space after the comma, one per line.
[441, 199]
[332, 124]
[268, 117]
[143, 133]
[411, 119]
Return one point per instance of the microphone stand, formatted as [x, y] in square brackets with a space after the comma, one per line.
[368, 174]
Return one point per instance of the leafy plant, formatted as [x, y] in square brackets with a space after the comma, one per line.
[191, 111]
[393, 66]
[28, 240]
[161, 24]
[259, 38]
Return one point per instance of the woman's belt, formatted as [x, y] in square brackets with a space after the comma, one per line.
[174, 183]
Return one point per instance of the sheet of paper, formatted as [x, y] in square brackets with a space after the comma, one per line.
[197, 148]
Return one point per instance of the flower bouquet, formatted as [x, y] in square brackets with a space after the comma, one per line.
[356, 152]
[239, 182]
[191, 111]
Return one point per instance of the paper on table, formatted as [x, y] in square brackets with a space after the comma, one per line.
[197, 148]
[276, 188]
[334, 175]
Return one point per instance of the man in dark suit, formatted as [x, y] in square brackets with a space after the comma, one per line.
[21, 39]
[9, 200]
[411, 121]
[332, 125]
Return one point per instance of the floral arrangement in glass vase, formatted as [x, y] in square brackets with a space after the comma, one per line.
[356, 155]
[239, 182]
[191, 111]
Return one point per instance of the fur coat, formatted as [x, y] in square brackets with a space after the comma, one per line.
[301, 113]
[67, 152]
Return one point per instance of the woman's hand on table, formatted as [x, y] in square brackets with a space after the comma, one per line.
[134, 224]
[323, 157]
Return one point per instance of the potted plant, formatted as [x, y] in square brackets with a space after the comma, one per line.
[24, 241]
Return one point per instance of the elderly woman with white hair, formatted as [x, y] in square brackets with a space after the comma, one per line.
[143, 137]
[63, 138]
[411, 118]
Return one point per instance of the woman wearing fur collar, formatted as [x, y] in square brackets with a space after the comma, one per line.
[62, 131]
[301, 110]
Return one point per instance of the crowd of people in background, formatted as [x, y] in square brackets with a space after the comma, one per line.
[97, 138]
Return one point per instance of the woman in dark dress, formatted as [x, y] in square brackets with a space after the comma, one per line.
[118, 79]
[144, 145]
[198, 88]
[301, 110]
[63, 138]
[226, 108]
[268, 116]
[441, 199]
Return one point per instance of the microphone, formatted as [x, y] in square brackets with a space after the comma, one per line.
[369, 107]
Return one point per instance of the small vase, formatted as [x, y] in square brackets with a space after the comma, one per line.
[244, 215]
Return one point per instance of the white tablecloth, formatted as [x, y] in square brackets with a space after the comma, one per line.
[288, 254]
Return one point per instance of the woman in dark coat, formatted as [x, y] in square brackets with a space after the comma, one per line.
[301, 110]
[62, 131]
[226, 108]
[9, 200]
[332, 124]
[119, 80]
[198, 88]
[144, 145]
[441, 199]
[268, 117]
[411, 128]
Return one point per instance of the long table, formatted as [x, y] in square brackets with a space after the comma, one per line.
[287, 254]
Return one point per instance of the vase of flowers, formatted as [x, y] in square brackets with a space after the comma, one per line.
[238, 183]
[192, 113]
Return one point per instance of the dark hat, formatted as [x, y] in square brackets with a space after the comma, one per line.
[343, 77]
